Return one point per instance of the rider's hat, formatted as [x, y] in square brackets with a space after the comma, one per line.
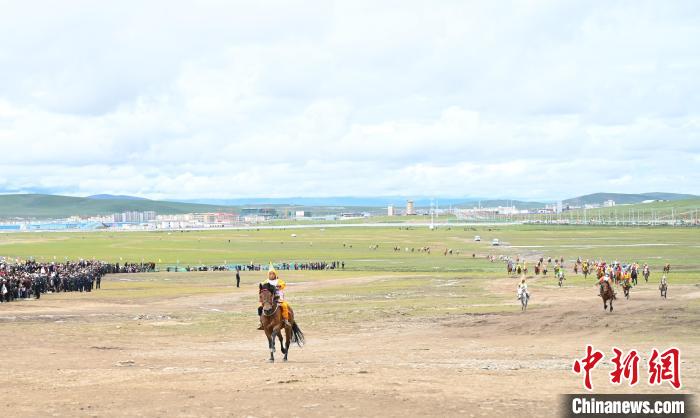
[271, 269]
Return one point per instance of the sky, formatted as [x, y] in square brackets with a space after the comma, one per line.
[227, 99]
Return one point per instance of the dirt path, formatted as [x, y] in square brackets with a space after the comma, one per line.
[87, 356]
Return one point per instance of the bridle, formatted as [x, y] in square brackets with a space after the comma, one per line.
[273, 303]
[273, 312]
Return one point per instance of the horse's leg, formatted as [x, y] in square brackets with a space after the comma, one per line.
[279, 335]
[288, 336]
[270, 345]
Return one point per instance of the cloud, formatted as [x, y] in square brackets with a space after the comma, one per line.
[233, 99]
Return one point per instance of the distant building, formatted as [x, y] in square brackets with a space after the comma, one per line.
[264, 213]
[220, 219]
[302, 214]
[609, 203]
[352, 215]
[390, 211]
[134, 216]
[410, 210]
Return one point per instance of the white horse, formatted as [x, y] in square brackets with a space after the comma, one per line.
[523, 297]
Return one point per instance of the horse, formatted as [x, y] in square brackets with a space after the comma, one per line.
[561, 279]
[523, 297]
[626, 289]
[618, 276]
[607, 294]
[273, 324]
[645, 272]
[667, 268]
[585, 271]
[663, 288]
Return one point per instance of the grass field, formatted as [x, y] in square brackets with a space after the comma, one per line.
[656, 246]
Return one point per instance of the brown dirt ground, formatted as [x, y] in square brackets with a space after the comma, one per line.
[88, 355]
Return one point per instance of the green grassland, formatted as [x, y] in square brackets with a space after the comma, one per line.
[376, 284]
[656, 246]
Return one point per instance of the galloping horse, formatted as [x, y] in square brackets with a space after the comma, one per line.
[645, 272]
[626, 286]
[607, 294]
[524, 298]
[667, 268]
[663, 288]
[273, 324]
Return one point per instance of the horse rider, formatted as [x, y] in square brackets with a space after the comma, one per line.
[522, 288]
[663, 282]
[279, 284]
[603, 279]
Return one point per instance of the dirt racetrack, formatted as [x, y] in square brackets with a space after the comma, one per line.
[134, 350]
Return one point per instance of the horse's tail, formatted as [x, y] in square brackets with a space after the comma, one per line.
[297, 335]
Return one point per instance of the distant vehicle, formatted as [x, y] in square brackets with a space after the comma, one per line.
[477, 238]
[495, 242]
[294, 235]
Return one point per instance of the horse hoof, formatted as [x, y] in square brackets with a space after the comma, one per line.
[285, 360]
[271, 361]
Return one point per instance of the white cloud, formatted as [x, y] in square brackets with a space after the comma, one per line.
[228, 99]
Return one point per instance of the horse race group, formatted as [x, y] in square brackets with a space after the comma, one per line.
[21, 280]
[624, 275]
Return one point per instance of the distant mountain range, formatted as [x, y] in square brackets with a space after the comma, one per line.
[55, 206]
[52, 206]
[115, 197]
[424, 202]
[368, 202]
[626, 198]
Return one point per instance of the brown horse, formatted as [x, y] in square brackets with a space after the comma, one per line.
[273, 324]
[607, 294]
[667, 268]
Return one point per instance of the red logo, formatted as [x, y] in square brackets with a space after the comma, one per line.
[627, 367]
[587, 364]
[663, 367]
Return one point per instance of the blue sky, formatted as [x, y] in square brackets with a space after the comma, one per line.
[224, 99]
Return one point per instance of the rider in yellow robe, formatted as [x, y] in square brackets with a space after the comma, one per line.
[280, 285]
